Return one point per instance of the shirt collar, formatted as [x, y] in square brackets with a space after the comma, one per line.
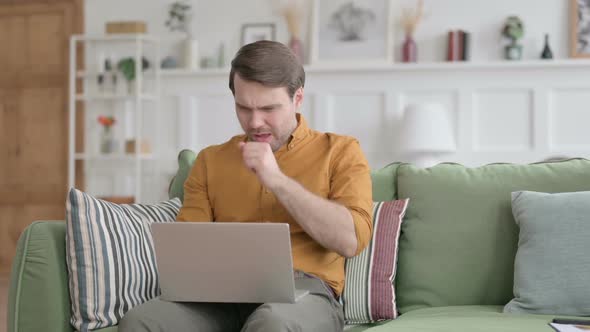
[302, 129]
[297, 135]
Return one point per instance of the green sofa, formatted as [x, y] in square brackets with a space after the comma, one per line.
[456, 255]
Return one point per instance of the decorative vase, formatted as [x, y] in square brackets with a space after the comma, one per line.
[191, 54]
[296, 46]
[513, 51]
[409, 50]
[131, 87]
[107, 141]
[547, 53]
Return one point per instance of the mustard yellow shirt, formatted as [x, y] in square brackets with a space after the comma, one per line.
[220, 188]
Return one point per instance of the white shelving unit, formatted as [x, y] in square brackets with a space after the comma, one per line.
[85, 93]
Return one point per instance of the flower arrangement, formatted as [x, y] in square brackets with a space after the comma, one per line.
[107, 143]
[411, 18]
[106, 121]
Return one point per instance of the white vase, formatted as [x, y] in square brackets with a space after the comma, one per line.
[191, 53]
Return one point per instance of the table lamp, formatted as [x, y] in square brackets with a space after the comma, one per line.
[426, 133]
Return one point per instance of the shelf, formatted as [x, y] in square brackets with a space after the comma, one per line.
[453, 66]
[113, 157]
[138, 96]
[106, 96]
[198, 72]
[94, 74]
[123, 37]
[404, 67]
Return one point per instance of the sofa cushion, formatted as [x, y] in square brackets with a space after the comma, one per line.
[465, 318]
[38, 295]
[109, 251]
[553, 258]
[369, 294]
[459, 237]
[108, 329]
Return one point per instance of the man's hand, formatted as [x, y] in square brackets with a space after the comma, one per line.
[259, 158]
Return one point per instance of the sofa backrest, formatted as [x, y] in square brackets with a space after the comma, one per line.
[38, 298]
[383, 181]
[384, 188]
[459, 238]
[186, 159]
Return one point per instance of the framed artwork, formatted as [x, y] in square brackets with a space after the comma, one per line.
[351, 31]
[580, 28]
[252, 32]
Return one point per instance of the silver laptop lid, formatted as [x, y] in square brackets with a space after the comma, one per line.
[224, 262]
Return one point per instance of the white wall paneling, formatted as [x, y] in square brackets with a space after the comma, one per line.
[500, 112]
[569, 117]
[502, 120]
[362, 115]
[542, 100]
[186, 121]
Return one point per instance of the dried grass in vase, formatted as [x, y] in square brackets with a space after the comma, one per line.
[292, 12]
[411, 18]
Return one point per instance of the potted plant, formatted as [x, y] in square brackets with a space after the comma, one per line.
[178, 16]
[127, 67]
[179, 19]
[513, 30]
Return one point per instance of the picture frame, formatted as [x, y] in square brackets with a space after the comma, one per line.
[579, 28]
[252, 32]
[355, 32]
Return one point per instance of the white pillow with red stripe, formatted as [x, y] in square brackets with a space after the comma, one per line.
[369, 293]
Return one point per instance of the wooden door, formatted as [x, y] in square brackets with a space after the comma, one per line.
[34, 63]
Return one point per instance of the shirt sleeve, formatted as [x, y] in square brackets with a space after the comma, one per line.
[196, 205]
[350, 185]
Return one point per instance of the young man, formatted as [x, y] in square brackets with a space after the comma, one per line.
[280, 170]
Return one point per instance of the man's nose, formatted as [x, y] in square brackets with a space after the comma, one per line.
[256, 119]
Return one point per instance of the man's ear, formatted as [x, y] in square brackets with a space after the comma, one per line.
[298, 98]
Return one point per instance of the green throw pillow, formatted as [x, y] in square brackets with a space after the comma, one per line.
[186, 159]
[552, 267]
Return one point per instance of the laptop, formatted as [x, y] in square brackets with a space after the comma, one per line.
[225, 262]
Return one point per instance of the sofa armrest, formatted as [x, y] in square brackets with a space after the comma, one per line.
[38, 297]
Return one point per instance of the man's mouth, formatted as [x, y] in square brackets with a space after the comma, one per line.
[262, 137]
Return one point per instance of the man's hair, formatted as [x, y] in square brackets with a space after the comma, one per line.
[270, 64]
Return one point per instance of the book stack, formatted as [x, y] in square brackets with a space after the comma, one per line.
[458, 45]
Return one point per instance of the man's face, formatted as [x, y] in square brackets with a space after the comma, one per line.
[266, 114]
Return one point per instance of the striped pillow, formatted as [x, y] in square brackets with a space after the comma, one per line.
[110, 258]
[369, 294]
